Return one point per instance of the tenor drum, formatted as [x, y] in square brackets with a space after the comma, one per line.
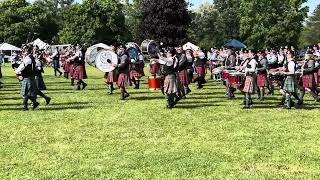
[154, 83]
[105, 60]
[149, 47]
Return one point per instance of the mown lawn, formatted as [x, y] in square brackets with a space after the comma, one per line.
[90, 135]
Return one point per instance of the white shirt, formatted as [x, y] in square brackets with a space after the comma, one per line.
[291, 66]
[25, 62]
[253, 64]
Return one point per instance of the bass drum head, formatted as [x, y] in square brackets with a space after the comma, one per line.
[133, 53]
[105, 60]
[149, 47]
[91, 56]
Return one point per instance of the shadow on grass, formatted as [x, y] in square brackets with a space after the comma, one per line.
[46, 108]
[143, 98]
[10, 98]
[194, 106]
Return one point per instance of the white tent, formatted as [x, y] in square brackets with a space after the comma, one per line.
[8, 47]
[189, 45]
[42, 45]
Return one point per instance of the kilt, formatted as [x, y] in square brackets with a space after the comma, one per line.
[79, 73]
[71, 69]
[136, 71]
[66, 67]
[316, 79]
[249, 85]
[123, 80]
[308, 81]
[183, 76]
[190, 74]
[290, 84]
[56, 64]
[28, 87]
[110, 77]
[201, 71]
[155, 69]
[262, 80]
[170, 84]
[40, 83]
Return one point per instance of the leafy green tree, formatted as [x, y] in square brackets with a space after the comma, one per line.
[94, 21]
[21, 21]
[165, 21]
[203, 30]
[311, 32]
[133, 18]
[275, 23]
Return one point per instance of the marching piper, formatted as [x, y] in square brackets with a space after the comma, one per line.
[249, 82]
[262, 75]
[123, 70]
[200, 67]
[28, 85]
[56, 61]
[182, 70]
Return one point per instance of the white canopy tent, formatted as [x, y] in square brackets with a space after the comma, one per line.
[189, 45]
[42, 45]
[8, 47]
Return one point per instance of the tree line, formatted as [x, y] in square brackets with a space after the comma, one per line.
[258, 23]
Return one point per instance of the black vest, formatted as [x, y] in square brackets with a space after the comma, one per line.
[30, 69]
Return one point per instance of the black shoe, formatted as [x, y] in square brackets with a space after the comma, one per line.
[281, 104]
[25, 109]
[78, 87]
[122, 98]
[48, 100]
[35, 105]
[84, 85]
[126, 95]
[60, 74]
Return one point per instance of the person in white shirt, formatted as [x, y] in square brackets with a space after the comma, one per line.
[249, 83]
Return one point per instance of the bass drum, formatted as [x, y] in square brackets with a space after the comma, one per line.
[91, 55]
[149, 47]
[105, 60]
[132, 45]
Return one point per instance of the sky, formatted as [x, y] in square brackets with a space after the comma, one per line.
[311, 3]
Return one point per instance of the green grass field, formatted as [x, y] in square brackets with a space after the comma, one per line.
[91, 135]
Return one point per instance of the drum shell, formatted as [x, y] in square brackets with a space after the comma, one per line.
[147, 46]
[154, 83]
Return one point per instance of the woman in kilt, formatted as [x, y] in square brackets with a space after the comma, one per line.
[168, 70]
[28, 84]
[200, 66]
[250, 79]
[262, 75]
[308, 80]
[110, 77]
[123, 72]
[290, 85]
[79, 73]
[136, 70]
[182, 71]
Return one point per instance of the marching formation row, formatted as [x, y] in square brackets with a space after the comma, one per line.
[174, 69]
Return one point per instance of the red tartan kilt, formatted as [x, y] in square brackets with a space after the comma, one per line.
[262, 80]
[183, 76]
[123, 80]
[66, 67]
[136, 72]
[80, 73]
[201, 71]
[155, 68]
[307, 80]
[71, 69]
[110, 77]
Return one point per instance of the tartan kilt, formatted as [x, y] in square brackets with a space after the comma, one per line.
[155, 69]
[170, 84]
[201, 71]
[136, 71]
[71, 69]
[316, 79]
[308, 81]
[290, 84]
[249, 85]
[190, 74]
[110, 77]
[123, 80]
[40, 83]
[66, 67]
[28, 87]
[262, 80]
[183, 76]
[80, 73]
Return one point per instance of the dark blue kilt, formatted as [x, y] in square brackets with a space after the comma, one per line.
[40, 83]
[28, 87]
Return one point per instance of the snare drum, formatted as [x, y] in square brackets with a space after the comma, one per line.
[154, 83]
[236, 78]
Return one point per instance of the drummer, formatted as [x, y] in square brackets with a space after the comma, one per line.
[136, 69]
[111, 77]
[199, 63]
[262, 75]
[230, 64]
[308, 78]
